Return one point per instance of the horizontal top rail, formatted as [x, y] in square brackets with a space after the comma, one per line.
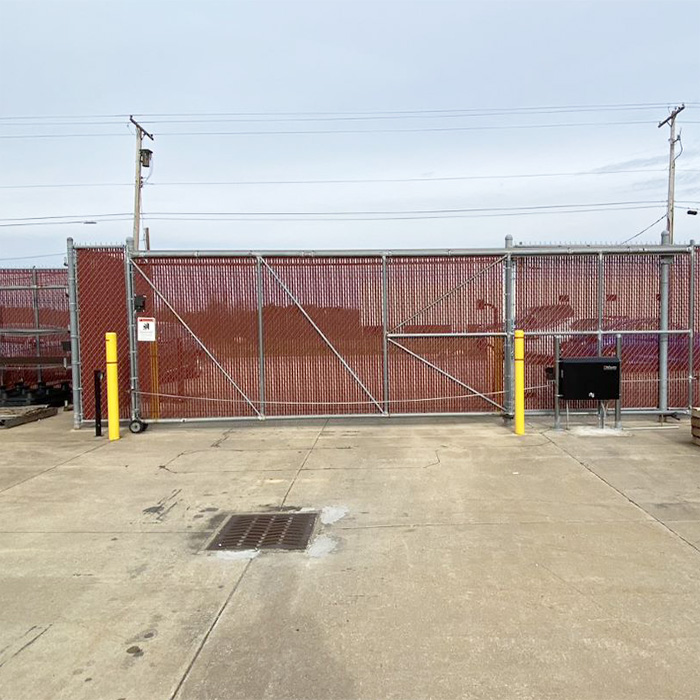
[446, 252]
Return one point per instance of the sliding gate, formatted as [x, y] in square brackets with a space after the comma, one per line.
[291, 335]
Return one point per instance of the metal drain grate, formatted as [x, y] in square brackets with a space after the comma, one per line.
[266, 531]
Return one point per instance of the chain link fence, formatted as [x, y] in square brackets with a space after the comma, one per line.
[34, 327]
[354, 333]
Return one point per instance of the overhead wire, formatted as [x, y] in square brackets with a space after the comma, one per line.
[313, 132]
[336, 181]
[486, 111]
[644, 230]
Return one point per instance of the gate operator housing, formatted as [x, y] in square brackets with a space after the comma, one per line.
[589, 378]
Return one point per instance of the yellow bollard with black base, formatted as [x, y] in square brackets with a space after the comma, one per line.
[112, 386]
[519, 357]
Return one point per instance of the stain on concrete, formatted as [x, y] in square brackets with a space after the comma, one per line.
[164, 506]
[237, 555]
[21, 644]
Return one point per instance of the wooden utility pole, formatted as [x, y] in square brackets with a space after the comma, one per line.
[143, 158]
[671, 120]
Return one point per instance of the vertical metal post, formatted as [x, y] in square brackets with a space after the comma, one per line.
[35, 304]
[599, 339]
[557, 412]
[131, 327]
[601, 300]
[98, 403]
[74, 335]
[664, 276]
[385, 340]
[618, 403]
[509, 328]
[691, 327]
[261, 337]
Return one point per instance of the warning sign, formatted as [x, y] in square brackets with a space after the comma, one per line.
[146, 329]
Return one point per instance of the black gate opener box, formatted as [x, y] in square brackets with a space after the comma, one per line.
[589, 378]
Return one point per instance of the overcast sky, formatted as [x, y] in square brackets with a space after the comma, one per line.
[443, 91]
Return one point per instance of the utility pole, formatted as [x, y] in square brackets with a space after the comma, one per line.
[665, 266]
[143, 158]
[671, 120]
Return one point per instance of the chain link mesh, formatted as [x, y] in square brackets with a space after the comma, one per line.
[101, 309]
[33, 299]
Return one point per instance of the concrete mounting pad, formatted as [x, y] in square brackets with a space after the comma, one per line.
[452, 560]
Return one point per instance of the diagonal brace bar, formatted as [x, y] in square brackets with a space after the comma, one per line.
[446, 374]
[323, 337]
[449, 292]
[197, 340]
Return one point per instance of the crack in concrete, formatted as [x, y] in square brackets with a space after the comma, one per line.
[55, 466]
[631, 501]
[207, 634]
[308, 454]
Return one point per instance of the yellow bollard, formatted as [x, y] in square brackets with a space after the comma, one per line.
[112, 386]
[519, 355]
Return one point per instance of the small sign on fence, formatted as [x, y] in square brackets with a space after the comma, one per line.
[146, 329]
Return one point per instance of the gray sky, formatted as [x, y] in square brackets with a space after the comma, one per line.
[96, 61]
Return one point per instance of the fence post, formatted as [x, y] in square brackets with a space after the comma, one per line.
[131, 328]
[261, 338]
[618, 403]
[74, 335]
[509, 326]
[691, 327]
[37, 339]
[664, 274]
[601, 300]
[557, 406]
[385, 326]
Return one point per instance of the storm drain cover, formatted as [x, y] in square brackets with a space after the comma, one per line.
[266, 531]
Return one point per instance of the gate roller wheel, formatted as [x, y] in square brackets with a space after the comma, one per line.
[137, 426]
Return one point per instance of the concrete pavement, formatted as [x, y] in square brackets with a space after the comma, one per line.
[456, 561]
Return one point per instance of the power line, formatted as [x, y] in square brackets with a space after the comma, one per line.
[301, 132]
[57, 223]
[342, 181]
[644, 230]
[33, 257]
[408, 211]
[339, 216]
[467, 110]
[535, 207]
[228, 119]
[65, 216]
[404, 218]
